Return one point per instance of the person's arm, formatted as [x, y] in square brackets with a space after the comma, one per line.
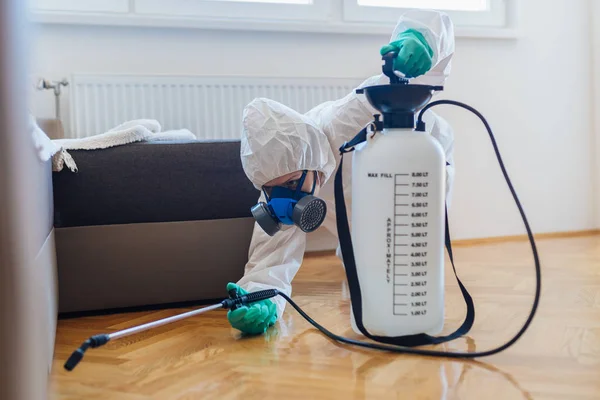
[342, 119]
[274, 261]
[438, 30]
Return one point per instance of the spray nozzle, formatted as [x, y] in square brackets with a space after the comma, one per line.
[77, 355]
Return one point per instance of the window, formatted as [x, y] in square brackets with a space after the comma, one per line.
[463, 5]
[464, 13]
[487, 18]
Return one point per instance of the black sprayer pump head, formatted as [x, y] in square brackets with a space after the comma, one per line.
[399, 101]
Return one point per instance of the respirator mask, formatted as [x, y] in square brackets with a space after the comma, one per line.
[287, 206]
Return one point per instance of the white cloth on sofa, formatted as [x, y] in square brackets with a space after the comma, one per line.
[140, 130]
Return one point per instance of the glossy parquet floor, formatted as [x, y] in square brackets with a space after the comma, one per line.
[202, 358]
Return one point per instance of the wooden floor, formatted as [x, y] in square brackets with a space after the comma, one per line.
[202, 358]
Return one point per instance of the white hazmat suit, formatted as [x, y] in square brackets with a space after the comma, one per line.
[277, 141]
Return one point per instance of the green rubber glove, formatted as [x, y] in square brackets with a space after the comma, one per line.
[414, 56]
[254, 319]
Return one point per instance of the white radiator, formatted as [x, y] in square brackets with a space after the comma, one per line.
[210, 107]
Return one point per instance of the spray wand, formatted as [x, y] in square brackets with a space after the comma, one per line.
[234, 301]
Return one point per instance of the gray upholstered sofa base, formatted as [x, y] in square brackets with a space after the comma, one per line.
[133, 265]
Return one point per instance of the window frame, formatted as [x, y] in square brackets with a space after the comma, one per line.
[327, 16]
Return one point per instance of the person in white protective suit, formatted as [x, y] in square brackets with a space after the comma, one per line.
[285, 153]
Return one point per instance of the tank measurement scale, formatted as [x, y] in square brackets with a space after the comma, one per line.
[410, 243]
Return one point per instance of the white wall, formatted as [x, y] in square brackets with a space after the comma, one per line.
[535, 91]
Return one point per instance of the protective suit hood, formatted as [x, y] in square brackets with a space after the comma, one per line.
[277, 140]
